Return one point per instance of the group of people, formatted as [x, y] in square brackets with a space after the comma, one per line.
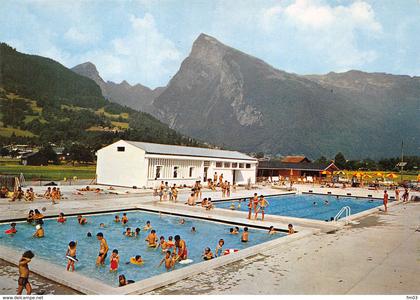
[405, 197]
[166, 192]
[256, 205]
[53, 194]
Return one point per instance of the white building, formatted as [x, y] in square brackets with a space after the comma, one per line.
[127, 163]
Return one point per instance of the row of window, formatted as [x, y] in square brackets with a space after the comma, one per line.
[158, 172]
[234, 165]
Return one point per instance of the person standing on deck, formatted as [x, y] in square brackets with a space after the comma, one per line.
[23, 281]
[397, 194]
[215, 178]
[385, 201]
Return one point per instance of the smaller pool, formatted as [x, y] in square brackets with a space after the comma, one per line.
[57, 236]
[307, 206]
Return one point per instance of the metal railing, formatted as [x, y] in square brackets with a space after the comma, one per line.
[344, 210]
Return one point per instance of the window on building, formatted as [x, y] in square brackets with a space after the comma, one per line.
[176, 172]
[234, 165]
[158, 171]
[206, 163]
[218, 164]
[241, 165]
[248, 166]
[227, 164]
[120, 149]
[191, 172]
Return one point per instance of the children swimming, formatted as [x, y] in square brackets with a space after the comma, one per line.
[12, 229]
[291, 229]
[271, 230]
[137, 232]
[182, 221]
[71, 255]
[245, 236]
[193, 230]
[162, 243]
[122, 281]
[39, 233]
[117, 219]
[207, 255]
[38, 215]
[114, 260]
[128, 232]
[234, 230]
[219, 248]
[148, 226]
[152, 239]
[124, 219]
[167, 260]
[102, 225]
[170, 243]
[81, 220]
[137, 260]
[61, 219]
[181, 246]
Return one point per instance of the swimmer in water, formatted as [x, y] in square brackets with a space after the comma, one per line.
[193, 230]
[152, 239]
[271, 230]
[71, 252]
[219, 248]
[291, 230]
[117, 219]
[245, 236]
[124, 219]
[167, 260]
[148, 226]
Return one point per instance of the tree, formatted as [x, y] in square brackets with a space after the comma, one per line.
[80, 153]
[259, 155]
[48, 154]
[322, 160]
[4, 151]
[340, 160]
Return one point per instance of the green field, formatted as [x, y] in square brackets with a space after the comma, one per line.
[52, 172]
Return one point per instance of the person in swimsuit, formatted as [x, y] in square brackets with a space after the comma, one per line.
[124, 219]
[23, 281]
[161, 187]
[61, 218]
[137, 232]
[244, 237]
[81, 220]
[103, 249]
[271, 230]
[165, 191]
[148, 226]
[291, 230]
[219, 248]
[207, 255]
[114, 260]
[122, 281]
[385, 201]
[117, 219]
[181, 246]
[174, 191]
[30, 217]
[397, 194]
[39, 233]
[47, 194]
[152, 239]
[191, 200]
[170, 243]
[262, 203]
[71, 252]
[167, 260]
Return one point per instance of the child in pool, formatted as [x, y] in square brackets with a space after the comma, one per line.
[71, 252]
[291, 229]
[174, 258]
[170, 243]
[193, 230]
[39, 233]
[117, 219]
[244, 237]
[114, 260]
[168, 261]
[137, 232]
[81, 220]
[102, 225]
[162, 243]
[232, 206]
[219, 248]
[136, 260]
[182, 221]
[61, 219]
[124, 219]
[38, 215]
[128, 232]
[148, 226]
[207, 255]
[12, 229]
[271, 230]
[152, 239]
[30, 217]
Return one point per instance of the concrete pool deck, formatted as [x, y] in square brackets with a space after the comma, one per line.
[262, 261]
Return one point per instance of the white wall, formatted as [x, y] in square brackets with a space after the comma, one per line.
[121, 168]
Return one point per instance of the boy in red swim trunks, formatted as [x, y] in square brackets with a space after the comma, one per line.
[182, 248]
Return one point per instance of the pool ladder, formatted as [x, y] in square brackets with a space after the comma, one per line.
[344, 210]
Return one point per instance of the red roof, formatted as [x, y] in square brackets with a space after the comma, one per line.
[295, 159]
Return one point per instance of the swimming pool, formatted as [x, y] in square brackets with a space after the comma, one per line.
[57, 236]
[302, 206]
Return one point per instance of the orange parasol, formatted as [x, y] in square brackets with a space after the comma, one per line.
[358, 174]
[392, 175]
[367, 176]
[379, 174]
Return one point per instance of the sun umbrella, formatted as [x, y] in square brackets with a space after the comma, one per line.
[392, 175]
[358, 174]
[341, 173]
[379, 174]
[325, 172]
[367, 176]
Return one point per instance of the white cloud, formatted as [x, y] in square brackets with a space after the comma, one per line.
[331, 31]
[143, 53]
[77, 36]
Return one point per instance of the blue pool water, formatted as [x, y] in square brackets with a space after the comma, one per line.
[57, 236]
[301, 206]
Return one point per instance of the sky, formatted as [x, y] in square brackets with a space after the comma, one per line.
[145, 41]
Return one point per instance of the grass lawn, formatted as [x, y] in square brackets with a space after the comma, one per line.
[51, 172]
[7, 131]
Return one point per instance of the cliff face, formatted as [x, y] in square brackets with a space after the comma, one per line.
[229, 98]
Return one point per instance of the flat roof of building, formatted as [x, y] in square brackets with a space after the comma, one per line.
[152, 148]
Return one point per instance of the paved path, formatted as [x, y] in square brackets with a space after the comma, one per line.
[381, 255]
